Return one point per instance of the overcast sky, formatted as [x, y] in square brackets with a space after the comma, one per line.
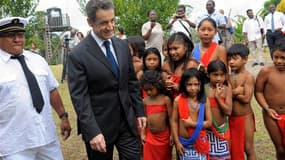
[78, 21]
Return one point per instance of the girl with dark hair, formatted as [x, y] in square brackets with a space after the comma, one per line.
[156, 136]
[151, 61]
[191, 115]
[219, 94]
[207, 50]
[179, 50]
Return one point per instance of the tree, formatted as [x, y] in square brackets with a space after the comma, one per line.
[131, 14]
[23, 8]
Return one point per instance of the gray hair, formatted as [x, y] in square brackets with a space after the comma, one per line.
[94, 5]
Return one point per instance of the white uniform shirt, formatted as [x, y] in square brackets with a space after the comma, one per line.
[279, 20]
[252, 27]
[156, 36]
[21, 127]
[177, 26]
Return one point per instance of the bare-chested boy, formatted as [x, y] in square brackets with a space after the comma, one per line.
[269, 93]
[242, 125]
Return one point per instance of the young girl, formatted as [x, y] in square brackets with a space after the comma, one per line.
[179, 50]
[151, 61]
[191, 115]
[220, 95]
[207, 50]
[156, 136]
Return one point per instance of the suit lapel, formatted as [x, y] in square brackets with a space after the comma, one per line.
[98, 54]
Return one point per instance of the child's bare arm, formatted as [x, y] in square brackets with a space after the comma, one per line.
[174, 127]
[169, 107]
[174, 121]
[248, 90]
[208, 115]
[261, 81]
[226, 106]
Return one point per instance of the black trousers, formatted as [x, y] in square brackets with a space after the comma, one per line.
[127, 144]
[271, 38]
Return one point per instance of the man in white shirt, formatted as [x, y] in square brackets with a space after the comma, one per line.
[180, 23]
[28, 89]
[152, 32]
[273, 24]
[218, 17]
[253, 33]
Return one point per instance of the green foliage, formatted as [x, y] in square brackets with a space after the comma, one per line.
[238, 35]
[265, 10]
[131, 14]
[23, 8]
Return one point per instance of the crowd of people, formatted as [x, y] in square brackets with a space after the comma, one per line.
[146, 94]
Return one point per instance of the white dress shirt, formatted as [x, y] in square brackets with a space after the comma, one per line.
[21, 127]
[279, 20]
[100, 42]
[251, 27]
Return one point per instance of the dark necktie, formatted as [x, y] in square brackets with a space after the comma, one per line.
[111, 59]
[36, 94]
[272, 23]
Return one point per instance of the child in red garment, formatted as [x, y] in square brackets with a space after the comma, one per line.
[190, 117]
[156, 137]
[207, 50]
[151, 61]
[242, 124]
[269, 93]
[219, 93]
[179, 59]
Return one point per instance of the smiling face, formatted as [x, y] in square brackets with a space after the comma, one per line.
[104, 24]
[177, 50]
[13, 42]
[206, 31]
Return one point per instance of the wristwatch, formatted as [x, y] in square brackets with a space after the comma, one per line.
[63, 115]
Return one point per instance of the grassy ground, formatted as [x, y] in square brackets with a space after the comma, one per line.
[73, 148]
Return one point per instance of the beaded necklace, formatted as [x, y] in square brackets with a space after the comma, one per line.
[192, 106]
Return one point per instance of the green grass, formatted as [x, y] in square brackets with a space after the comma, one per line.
[74, 149]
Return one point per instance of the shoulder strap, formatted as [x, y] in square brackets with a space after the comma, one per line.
[198, 129]
[257, 21]
[185, 28]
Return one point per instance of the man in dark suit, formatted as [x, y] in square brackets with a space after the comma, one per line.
[104, 88]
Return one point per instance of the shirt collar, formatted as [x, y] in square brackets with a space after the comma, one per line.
[99, 40]
[5, 56]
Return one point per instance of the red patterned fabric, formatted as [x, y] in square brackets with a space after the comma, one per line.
[202, 144]
[281, 125]
[208, 54]
[214, 103]
[176, 79]
[157, 146]
[152, 109]
[237, 128]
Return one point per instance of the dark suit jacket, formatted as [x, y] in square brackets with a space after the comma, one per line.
[97, 96]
